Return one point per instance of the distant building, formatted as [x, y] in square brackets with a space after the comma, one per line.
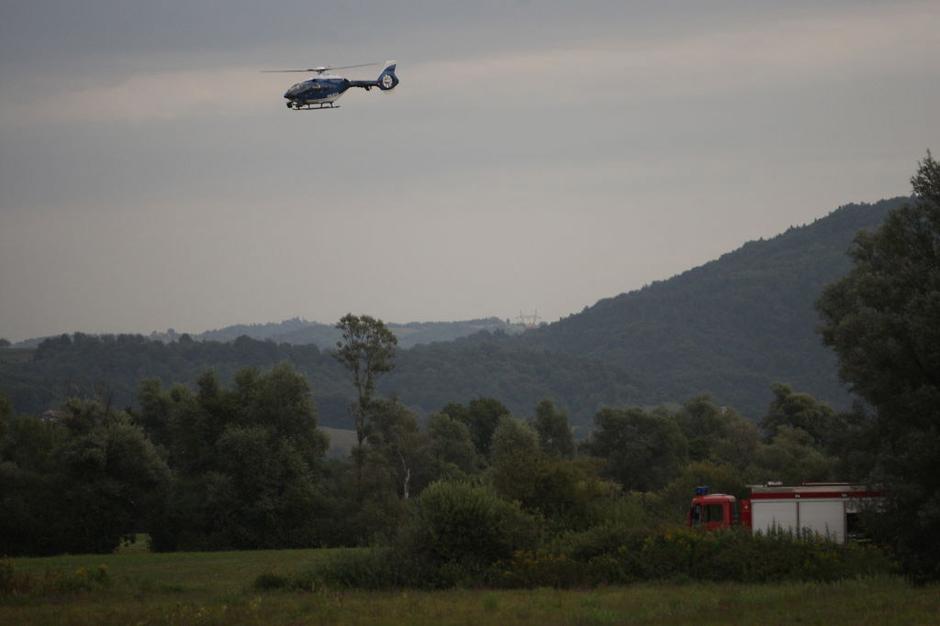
[53, 415]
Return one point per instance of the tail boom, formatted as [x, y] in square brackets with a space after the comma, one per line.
[386, 81]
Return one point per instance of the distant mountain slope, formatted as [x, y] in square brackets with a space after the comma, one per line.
[730, 327]
[518, 375]
[425, 377]
[301, 332]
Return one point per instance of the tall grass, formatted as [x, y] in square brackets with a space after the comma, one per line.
[863, 602]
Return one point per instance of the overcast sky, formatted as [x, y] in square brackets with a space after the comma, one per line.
[536, 155]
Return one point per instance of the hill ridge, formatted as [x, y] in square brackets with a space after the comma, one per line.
[729, 327]
[776, 279]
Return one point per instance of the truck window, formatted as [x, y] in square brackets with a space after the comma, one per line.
[714, 513]
[696, 514]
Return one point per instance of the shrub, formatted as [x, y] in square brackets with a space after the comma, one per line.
[459, 523]
[614, 554]
[539, 568]
[13, 582]
[601, 540]
[464, 535]
[270, 581]
[374, 568]
[82, 579]
[737, 555]
[53, 582]
[455, 534]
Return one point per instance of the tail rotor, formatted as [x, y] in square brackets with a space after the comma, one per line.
[387, 80]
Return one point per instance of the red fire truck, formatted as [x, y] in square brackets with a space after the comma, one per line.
[828, 509]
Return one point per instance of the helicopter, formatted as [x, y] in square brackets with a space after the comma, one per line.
[321, 91]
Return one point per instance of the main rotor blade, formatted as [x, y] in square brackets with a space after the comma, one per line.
[348, 67]
[322, 69]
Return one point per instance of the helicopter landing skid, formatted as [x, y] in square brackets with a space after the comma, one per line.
[308, 107]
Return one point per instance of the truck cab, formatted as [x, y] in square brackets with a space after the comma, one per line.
[712, 511]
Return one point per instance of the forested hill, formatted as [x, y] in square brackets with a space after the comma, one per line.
[425, 377]
[300, 332]
[730, 327]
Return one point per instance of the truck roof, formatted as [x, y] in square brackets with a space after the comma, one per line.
[713, 497]
[813, 490]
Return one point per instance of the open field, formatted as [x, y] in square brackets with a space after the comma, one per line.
[216, 588]
[342, 441]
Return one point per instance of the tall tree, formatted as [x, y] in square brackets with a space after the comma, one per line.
[246, 461]
[557, 488]
[452, 446]
[803, 411]
[792, 458]
[717, 434]
[366, 350]
[644, 450]
[6, 412]
[883, 320]
[551, 424]
[515, 458]
[482, 416]
[396, 438]
[78, 481]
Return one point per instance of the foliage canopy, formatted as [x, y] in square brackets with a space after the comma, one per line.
[883, 320]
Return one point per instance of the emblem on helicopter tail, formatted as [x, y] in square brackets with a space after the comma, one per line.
[387, 81]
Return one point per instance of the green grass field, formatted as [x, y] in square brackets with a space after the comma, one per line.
[216, 588]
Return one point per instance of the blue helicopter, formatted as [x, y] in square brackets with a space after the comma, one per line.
[321, 91]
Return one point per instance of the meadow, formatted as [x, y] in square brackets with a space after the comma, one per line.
[143, 588]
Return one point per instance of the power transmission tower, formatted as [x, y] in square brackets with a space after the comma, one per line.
[529, 320]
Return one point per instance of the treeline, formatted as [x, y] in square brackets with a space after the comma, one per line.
[111, 366]
[730, 328]
[302, 332]
[243, 466]
[425, 377]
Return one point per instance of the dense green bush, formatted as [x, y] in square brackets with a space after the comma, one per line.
[372, 568]
[737, 555]
[598, 541]
[540, 568]
[52, 582]
[456, 533]
[270, 581]
[79, 481]
[609, 555]
[458, 529]
[618, 555]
